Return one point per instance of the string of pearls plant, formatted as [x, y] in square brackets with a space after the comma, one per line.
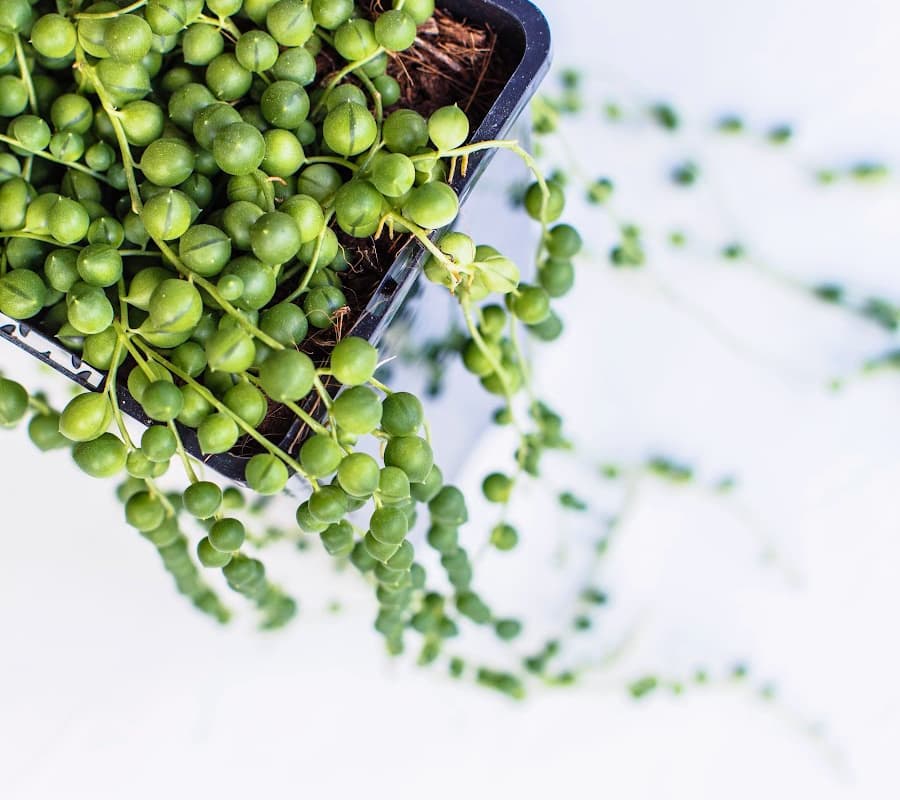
[173, 178]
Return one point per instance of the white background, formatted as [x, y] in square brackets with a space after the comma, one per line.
[112, 688]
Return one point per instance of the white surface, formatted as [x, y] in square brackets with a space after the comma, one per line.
[112, 688]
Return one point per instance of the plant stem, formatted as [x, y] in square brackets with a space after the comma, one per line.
[223, 24]
[36, 237]
[140, 254]
[50, 157]
[182, 454]
[381, 387]
[111, 384]
[466, 306]
[32, 98]
[524, 364]
[366, 81]
[26, 75]
[313, 263]
[213, 292]
[423, 236]
[322, 392]
[500, 144]
[111, 14]
[337, 160]
[340, 75]
[110, 108]
[139, 359]
[39, 405]
[306, 417]
[210, 398]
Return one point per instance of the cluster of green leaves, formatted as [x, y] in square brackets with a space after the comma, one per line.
[176, 182]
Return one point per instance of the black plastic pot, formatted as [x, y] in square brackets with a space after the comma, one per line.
[523, 34]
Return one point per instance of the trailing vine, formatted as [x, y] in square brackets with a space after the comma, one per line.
[179, 190]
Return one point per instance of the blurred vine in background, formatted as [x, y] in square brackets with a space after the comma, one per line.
[551, 112]
[569, 101]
